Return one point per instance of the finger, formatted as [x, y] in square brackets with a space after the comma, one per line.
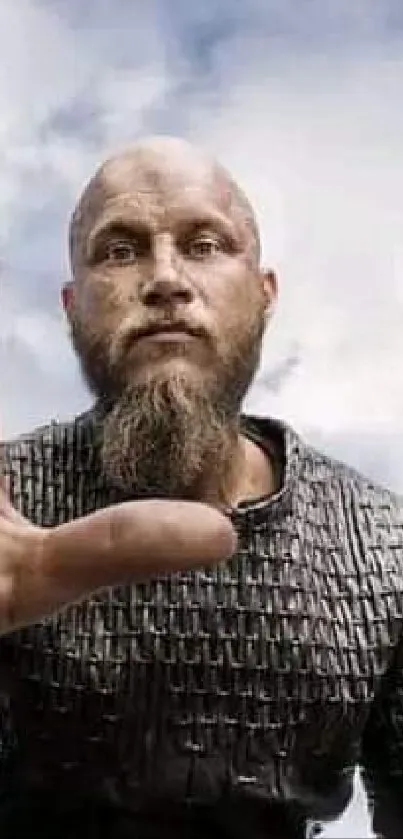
[134, 541]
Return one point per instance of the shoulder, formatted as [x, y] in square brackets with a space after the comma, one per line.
[31, 460]
[328, 480]
[366, 516]
[358, 488]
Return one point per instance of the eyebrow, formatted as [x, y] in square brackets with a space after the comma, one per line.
[109, 223]
[188, 219]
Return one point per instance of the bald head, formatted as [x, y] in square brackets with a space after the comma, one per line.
[155, 165]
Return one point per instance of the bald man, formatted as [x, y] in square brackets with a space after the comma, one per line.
[200, 615]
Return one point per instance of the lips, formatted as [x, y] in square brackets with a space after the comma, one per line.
[178, 328]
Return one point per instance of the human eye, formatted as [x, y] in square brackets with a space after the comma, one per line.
[203, 246]
[121, 251]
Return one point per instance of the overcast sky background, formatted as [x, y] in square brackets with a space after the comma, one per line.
[302, 99]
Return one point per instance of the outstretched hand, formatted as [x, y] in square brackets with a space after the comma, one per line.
[44, 569]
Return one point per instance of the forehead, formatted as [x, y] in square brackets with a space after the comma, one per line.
[155, 188]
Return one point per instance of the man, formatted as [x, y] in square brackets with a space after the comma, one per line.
[160, 676]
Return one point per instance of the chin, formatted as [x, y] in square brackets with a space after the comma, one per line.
[166, 368]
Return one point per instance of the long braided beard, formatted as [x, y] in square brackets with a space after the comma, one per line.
[162, 435]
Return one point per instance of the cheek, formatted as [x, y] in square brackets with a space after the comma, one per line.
[240, 310]
[101, 306]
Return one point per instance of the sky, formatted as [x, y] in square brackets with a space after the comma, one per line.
[302, 101]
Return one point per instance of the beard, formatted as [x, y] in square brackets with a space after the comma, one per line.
[163, 433]
[159, 437]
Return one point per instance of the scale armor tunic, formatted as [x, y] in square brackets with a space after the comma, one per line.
[232, 701]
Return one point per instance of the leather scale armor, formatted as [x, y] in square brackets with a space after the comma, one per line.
[258, 683]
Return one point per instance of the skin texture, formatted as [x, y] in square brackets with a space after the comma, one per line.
[161, 238]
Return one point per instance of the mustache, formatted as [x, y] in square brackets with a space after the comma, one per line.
[131, 331]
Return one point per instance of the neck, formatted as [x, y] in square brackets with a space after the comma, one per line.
[250, 474]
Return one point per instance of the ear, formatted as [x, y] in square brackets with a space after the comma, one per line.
[270, 289]
[67, 297]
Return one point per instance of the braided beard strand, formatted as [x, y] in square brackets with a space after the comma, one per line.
[160, 437]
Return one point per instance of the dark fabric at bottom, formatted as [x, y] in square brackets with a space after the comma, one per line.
[44, 816]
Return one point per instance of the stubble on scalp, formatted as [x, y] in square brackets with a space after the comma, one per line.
[97, 189]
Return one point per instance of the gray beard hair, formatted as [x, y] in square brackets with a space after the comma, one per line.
[162, 436]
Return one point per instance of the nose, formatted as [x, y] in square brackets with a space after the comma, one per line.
[168, 285]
